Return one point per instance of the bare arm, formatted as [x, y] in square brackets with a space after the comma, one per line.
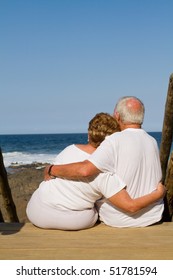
[75, 170]
[123, 201]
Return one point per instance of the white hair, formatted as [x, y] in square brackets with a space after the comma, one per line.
[127, 113]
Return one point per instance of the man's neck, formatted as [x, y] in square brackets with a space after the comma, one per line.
[132, 125]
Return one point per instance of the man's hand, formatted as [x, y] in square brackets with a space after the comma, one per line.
[161, 190]
[46, 173]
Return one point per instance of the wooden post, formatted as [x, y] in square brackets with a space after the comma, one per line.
[6, 193]
[1, 217]
[165, 147]
[167, 130]
[169, 185]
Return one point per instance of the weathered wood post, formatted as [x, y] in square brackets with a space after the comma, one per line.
[166, 142]
[169, 185]
[6, 193]
[1, 217]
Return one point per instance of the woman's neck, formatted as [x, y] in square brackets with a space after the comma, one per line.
[88, 148]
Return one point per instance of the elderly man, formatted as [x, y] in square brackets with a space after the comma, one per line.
[133, 155]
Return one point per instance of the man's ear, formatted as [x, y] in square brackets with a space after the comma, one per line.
[117, 116]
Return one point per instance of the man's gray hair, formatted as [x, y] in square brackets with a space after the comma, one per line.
[127, 113]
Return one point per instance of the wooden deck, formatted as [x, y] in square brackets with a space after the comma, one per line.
[26, 242]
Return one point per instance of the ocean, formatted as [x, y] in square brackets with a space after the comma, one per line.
[36, 148]
[41, 148]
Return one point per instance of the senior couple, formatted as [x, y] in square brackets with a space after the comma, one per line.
[115, 177]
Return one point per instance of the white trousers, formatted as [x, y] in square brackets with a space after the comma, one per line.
[46, 216]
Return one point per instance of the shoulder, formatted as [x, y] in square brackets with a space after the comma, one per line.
[68, 149]
[65, 154]
[114, 136]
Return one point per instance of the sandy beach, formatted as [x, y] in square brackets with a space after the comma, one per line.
[23, 180]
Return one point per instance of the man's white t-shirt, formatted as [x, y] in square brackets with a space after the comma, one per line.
[73, 194]
[133, 155]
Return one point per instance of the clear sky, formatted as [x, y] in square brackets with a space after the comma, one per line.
[63, 61]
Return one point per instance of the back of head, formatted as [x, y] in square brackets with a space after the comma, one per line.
[101, 126]
[130, 109]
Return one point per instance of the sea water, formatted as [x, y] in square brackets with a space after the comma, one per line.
[41, 148]
[36, 148]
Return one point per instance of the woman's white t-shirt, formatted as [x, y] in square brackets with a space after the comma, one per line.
[77, 195]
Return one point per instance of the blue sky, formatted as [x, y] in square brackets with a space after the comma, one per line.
[63, 61]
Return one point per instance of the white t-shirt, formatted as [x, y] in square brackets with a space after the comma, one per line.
[133, 155]
[77, 195]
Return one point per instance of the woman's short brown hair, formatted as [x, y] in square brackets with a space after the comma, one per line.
[101, 126]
